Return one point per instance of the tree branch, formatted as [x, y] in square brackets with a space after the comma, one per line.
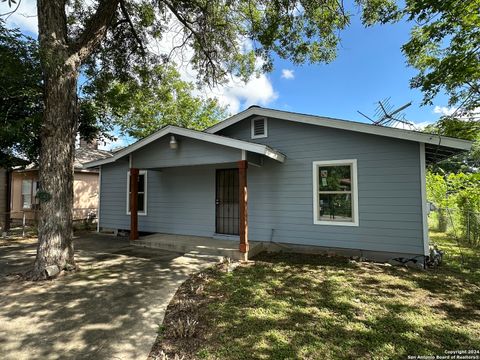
[188, 24]
[10, 13]
[95, 29]
[134, 32]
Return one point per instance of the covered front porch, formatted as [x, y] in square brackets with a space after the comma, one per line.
[197, 186]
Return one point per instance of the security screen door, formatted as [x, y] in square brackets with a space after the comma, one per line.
[226, 202]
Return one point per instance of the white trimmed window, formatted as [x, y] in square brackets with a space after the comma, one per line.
[335, 192]
[142, 192]
[259, 128]
[29, 193]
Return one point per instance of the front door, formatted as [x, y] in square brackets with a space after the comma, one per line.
[226, 202]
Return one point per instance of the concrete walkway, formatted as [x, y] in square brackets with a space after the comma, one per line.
[111, 309]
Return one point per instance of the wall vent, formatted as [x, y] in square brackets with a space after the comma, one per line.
[259, 128]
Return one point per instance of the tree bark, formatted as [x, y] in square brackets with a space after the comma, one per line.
[59, 126]
[61, 58]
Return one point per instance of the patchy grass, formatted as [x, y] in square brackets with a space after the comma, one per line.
[286, 306]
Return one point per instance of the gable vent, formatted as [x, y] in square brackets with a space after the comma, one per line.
[259, 128]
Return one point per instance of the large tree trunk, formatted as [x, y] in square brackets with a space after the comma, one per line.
[59, 126]
[60, 59]
[55, 231]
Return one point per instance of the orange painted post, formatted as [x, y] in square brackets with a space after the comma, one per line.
[134, 204]
[243, 204]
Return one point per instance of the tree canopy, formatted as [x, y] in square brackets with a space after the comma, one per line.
[463, 129]
[137, 105]
[21, 93]
[155, 98]
[444, 46]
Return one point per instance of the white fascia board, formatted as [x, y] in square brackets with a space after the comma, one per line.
[212, 138]
[345, 125]
[226, 141]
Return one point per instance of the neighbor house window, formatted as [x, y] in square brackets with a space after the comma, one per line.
[335, 194]
[29, 192]
[142, 192]
[259, 128]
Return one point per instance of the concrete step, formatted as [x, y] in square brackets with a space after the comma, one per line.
[194, 245]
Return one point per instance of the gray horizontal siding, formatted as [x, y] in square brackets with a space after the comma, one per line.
[113, 196]
[181, 198]
[281, 195]
[189, 152]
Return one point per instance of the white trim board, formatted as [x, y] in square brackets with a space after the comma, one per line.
[193, 134]
[423, 189]
[99, 198]
[344, 125]
[145, 200]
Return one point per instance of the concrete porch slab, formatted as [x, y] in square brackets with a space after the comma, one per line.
[197, 245]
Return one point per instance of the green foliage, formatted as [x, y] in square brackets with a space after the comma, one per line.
[436, 189]
[460, 193]
[444, 46]
[227, 38]
[463, 129]
[21, 98]
[156, 98]
[20, 93]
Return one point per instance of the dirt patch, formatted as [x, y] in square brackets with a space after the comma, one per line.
[188, 312]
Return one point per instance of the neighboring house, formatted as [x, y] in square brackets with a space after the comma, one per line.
[24, 186]
[313, 183]
[5, 176]
[4, 205]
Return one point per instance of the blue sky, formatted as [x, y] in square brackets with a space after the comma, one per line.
[369, 67]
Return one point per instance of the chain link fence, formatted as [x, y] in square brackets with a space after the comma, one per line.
[462, 224]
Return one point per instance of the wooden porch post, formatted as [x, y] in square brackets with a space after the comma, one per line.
[134, 204]
[243, 204]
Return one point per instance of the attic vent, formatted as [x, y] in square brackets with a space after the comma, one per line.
[259, 128]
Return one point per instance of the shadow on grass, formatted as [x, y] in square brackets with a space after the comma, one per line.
[314, 307]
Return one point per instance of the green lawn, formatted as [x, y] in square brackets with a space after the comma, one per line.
[288, 306]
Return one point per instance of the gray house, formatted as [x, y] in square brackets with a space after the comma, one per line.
[313, 184]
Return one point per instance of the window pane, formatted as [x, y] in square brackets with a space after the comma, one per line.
[141, 203]
[141, 193]
[334, 178]
[26, 187]
[27, 201]
[141, 183]
[335, 207]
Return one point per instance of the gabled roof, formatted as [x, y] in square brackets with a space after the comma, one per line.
[193, 134]
[440, 146]
[84, 155]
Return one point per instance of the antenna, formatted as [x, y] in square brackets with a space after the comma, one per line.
[386, 115]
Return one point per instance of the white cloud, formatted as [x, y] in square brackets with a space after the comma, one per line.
[25, 17]
[422, 125]
[405, 126]
[461, 115]
[444, 110]
[235, 94]
[288, 74]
